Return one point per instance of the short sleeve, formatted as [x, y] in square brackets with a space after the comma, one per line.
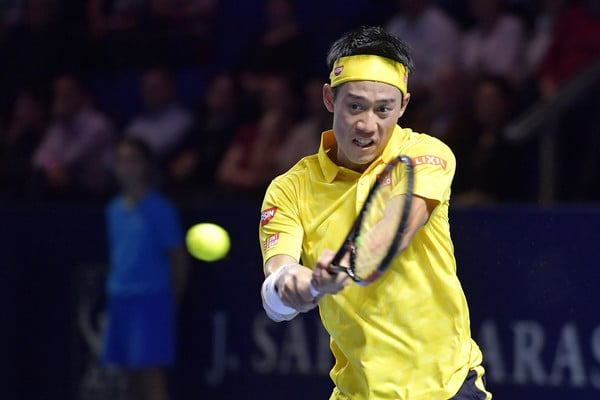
[434, 166]
[280, 230]
[169, 226]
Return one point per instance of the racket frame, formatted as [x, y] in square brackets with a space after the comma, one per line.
[349, 245]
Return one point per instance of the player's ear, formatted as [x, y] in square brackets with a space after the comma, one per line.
[405, 100]
[328, 97]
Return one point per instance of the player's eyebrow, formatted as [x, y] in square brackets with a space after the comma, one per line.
[359, 97]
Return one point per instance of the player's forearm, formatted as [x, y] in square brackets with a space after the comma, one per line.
[285, 291]
[419, 215]
[277, 261]
[179, 271]
[274, 306]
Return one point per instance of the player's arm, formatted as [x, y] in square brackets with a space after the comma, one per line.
[421, 210]
[433, 176]
[286, 289]
[293, 283]
[180, 264]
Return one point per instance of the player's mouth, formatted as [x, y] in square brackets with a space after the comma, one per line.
[363, 143]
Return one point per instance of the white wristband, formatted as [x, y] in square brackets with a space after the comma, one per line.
[272, 302]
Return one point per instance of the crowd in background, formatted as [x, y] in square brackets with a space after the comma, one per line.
[228, 94]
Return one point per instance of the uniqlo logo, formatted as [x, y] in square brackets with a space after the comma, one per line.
[385, 178]
[271, 241]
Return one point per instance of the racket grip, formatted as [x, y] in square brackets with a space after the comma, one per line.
[313, 291]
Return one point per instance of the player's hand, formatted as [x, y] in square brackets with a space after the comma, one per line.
[327, 282]
[293, 288]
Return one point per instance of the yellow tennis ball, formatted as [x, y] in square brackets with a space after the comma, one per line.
[207, 242]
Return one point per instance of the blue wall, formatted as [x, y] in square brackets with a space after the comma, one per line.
[531, 276]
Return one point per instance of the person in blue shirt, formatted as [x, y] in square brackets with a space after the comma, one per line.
[147, 274]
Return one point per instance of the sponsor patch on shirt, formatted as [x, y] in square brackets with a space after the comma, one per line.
[271, 241]
[267, 215]
[430, 160]
[385, 178]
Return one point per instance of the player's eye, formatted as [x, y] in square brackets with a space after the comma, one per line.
[355, 107]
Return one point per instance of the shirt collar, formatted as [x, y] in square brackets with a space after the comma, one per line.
[331, 169]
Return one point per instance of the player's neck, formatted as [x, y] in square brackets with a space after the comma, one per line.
[134, 194]
[342, 162]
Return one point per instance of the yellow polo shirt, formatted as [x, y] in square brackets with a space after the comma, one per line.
[405, 336]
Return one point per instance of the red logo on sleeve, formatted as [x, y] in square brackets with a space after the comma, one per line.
[271, 241]
[430, 160]
[267, 215]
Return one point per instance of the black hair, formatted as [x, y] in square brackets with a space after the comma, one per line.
[139, 145]
[370, 40]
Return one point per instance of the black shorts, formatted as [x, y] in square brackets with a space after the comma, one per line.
[473, 388]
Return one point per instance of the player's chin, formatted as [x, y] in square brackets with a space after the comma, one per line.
[364, 158]
[359, 158]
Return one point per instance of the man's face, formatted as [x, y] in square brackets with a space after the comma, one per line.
[157, 91]
[68, 97]
[131, 168]
[365, 114]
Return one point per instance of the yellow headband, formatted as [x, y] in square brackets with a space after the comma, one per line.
[369, 68]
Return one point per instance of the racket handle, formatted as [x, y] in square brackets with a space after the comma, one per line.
[313, 291]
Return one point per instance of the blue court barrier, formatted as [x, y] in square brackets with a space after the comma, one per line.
[531, 276]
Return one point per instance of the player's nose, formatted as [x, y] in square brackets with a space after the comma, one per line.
[367, 122]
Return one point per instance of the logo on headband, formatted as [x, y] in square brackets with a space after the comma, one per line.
[338, 70]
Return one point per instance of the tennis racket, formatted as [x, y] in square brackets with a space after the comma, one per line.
[378, 230]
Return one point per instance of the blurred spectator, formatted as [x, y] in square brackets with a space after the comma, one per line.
[164, 124]
[434, 39]
[574, 45]
[193, 168]
[490, 169]
[495, 44]
[116, 36]
[179, 29]
[38, 48]
[446, 114]
[305, 137]
[134, 33]
[187, 16]
[545, 15]
[250, 162]
[283, 48]
[23, 134]
[182, 22]
[11, 14]
[147, 275]
[73, 158]
[106, 16]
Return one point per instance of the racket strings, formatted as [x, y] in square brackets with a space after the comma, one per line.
[380, 226]
[378, 230]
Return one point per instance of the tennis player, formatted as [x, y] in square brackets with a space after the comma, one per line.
[406, 336]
